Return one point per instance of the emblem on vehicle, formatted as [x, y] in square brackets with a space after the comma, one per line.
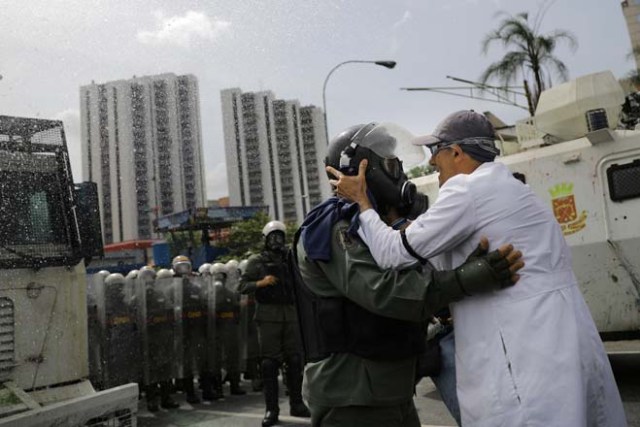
[564, 208]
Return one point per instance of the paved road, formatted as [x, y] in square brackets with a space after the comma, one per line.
[241, 411]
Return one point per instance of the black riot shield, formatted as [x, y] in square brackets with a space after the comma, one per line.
[121, 341]
[156, 317]
[194, 325]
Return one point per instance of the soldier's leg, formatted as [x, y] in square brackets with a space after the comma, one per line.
[165, 396]
[233, 359]
[295, 365]
[151, 392]
[269, 335]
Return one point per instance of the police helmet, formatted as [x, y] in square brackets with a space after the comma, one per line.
[218, 268]
[132, 275]
[232, 265]
[147, 273]
[242, 266]
[273, 226]
[163, 273]
[204, 268]
[181, 265]
[114, 279]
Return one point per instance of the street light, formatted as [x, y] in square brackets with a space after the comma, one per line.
[386, 64]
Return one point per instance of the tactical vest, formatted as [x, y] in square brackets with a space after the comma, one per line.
[280, 292]
[338, 325]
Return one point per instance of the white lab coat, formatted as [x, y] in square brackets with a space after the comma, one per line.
[529, 355]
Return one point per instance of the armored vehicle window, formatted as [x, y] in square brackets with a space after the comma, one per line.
[624, 181]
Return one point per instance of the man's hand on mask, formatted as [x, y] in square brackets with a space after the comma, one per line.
[267, 280]
[485, 271]
[352, 188]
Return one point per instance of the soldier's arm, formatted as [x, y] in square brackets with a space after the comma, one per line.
[413, 294]
[252, 274]
[354, 273]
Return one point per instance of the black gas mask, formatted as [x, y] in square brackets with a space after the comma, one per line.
[275, 242]
[386, 180]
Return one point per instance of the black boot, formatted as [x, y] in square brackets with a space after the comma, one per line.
[294, 379]
[151, 391]
[234, 381]
[217, 387]
[270, 390]
[190, 391]
[206, 384]
[165, 396]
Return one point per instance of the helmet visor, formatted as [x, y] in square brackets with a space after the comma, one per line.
[389, 141]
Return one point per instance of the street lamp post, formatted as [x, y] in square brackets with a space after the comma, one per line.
[386, 64]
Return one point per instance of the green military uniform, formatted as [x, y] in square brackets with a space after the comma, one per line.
[275, 315]
[277, 327]
[344, 389]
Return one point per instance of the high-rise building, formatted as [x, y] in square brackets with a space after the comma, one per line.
[274, 152]
[631, 11]
[142, 145]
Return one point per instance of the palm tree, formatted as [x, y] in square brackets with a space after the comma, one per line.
[530, 54]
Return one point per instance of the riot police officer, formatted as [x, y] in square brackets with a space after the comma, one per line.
[268, 277]
[194, 325]
[156, 317]
[120, 336]
[227, 329]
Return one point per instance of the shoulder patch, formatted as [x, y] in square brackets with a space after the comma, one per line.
[345, 240]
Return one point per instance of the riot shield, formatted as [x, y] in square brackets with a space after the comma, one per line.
[194, 325]
[171, 289]
[95, 322]
[121, 340]
[157, 317]
[211, 341]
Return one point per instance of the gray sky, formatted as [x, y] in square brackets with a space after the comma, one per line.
[49, 48]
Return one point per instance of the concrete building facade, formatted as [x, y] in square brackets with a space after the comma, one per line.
[274, 153]
[631, 11]
[142, 145]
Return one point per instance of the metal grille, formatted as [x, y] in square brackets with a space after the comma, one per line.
[624, 181]
[120, 418]
[7, 337]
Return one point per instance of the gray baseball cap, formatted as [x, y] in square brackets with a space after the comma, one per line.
[458, 127]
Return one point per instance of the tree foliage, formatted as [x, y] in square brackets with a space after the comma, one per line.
[421, 170]
[530, 54]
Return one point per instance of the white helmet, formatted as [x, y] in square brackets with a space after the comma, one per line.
[147, 273]
[163, 273]
[103, 273]
[243, 265]
[114, 279]
[132, 275]
[273, 226]
[204, 268]
[218, 268]
[232, 265]
[181, 265]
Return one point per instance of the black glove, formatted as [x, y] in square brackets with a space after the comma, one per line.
[482, 272]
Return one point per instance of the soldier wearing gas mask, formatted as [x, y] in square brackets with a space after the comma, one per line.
[268, 277]
[362, 326]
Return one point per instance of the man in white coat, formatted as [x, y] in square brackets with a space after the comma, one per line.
[529, 355]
